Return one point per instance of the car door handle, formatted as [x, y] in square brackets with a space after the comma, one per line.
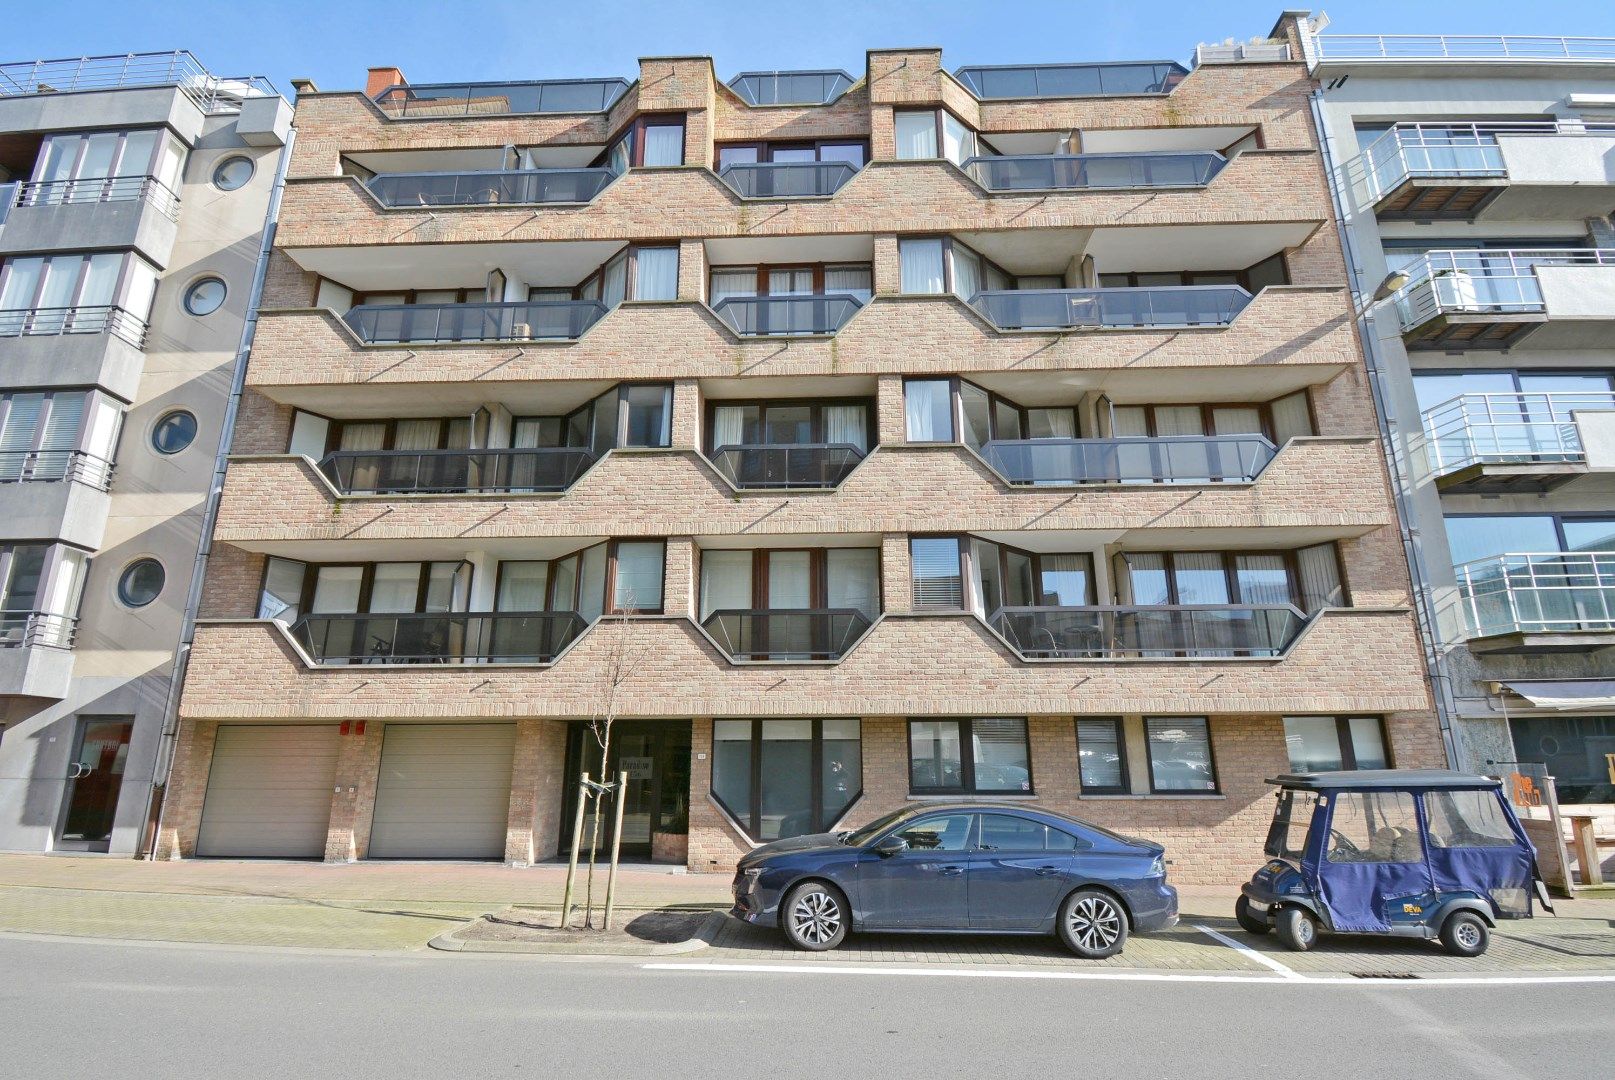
[951, 870]
[1047, 871]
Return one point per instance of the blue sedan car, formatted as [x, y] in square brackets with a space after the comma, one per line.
[960, 869]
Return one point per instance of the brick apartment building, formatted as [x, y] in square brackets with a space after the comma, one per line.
[853, 439]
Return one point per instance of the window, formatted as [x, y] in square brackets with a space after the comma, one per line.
[950, 832]
[1180, 756]
[1574, 749]
[174, 432]
[1006, 833]
[928, 410]
[1374, 827]
[920, 268]
[843, 422]
[647, 415]
[656, 273]
[935, 573]
[791, 580]
[1466, 819]
[637, 582]
[664, 144]
[1327, 743]
[71, 293]
[43, 434]
[916, 134]
[986, 756]
[782, 778]
[232, 173]
[205, 297]
[141, 582]
[1102, 757]
[282, 595]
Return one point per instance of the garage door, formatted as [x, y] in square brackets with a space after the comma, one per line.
[444, 791]
[269, 792]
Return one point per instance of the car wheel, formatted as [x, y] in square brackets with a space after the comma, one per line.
[1465, 934]
[1249, 920]
[1297, 928]
[1092, 924]
[815, 916]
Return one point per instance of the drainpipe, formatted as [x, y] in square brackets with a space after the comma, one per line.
[221, 460]
[1423, 604]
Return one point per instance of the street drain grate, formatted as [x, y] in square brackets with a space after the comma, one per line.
[1382, 974]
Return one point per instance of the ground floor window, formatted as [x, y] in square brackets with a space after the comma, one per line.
[1579, 752]
[986, 756]
[781, 778]
[1329, 743]
[1180, 756]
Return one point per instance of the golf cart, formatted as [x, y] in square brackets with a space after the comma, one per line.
[1416, 853]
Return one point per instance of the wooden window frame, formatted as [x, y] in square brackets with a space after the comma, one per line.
[636, 128]
[818, 405]
[1036, 557]
[766, 147]
[763, 270]
[967, 757]
[1230, 569]
[367, 581]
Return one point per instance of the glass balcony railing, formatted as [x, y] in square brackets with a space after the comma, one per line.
[1070, 309]
[454, 472]
[1187, 631]
[1459, 47]
[91, 319]
[28, 629]
[1484, 281]
[46, 466]
[786, 465]
[1538, 593]
[8, 199]
[505, 187]
[535, 320]
[1186, 459]
[790, 87]
[787, 179]
[505, 637]
[780, 635]
[1504, 429]
[1067, 172]
[434, 100]
[1071, 80]
[100, 189]
[766, 316]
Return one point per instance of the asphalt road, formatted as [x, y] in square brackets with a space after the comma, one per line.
[76, 1009]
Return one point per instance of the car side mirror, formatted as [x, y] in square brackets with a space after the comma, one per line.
[892, 845]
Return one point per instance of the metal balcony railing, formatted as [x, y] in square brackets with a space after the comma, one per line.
[786, 465]
[434, 100]
[1498, 429]
[790, 87]
[751, 636]
[1538, 593]
[1178, 459]
[211, 93]
[787, 179]
[764, 316]
[44, 466]
[28, 629]
[534, 320]
[1191, 631]
[101, 189]
[456, 472]
[94, 319]
[1066, 172]
[1460, 47]
[494, 187]
[1070, 309]
[504, 637]
[1484, 281]
[1071, 80]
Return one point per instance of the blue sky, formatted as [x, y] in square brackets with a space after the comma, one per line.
[333, 41]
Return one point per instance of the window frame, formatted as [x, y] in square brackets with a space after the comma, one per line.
[964, 569]
[763, 270]
[1211, 758]
[1120, 725]
[1036, 558]
[613, 545]
[818, 577]
[967, 758]
[711, 406]
[949, 241]
[1229, 559]
[1208, 411]
[936, 112]
[635, 129]
[751, 823]
[1348, 753]
[367, 581]
[766, 147]
[1242, 275]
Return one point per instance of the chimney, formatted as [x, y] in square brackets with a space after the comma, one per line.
[380, 78]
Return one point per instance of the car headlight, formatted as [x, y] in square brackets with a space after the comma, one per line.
[752, 873]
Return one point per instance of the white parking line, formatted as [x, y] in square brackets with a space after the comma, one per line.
[1260, 957]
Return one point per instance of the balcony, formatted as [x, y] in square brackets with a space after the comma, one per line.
[1095, 172]
[103, 189]
[546, 320]
[36, 658]
[76, 466]
[1495, 444]
[787, 316]
[56, 322]
[786, 636]
[1548, 602]
[1193, 632]
[1003, 83]
[456, 472]
[493, 187]
[1496, 171]
[1462, 48]
[787, 179]
[757, 88]
[436, 101]
[1494, 298]
[138, 212]
[809, 466]
[506, 637]
[80, 74]
[1112, 309]
[1189, 459]
[8, 199]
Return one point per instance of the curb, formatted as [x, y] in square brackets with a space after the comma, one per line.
[450, 941]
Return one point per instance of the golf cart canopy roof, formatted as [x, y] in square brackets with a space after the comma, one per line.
[1383, 779]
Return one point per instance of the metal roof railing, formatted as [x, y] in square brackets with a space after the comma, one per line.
[1460, 47]
[211, 93]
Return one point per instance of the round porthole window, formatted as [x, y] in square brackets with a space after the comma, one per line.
[141, 582]
[1549, 746]
[205, 297]
[174, 432]
[232, 173]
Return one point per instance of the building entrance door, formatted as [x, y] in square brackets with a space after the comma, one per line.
[655, 820]
[94, 779]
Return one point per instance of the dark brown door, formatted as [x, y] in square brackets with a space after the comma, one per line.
[94, 779]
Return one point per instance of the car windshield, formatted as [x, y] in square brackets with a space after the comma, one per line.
[875, 828]
[1292, 817]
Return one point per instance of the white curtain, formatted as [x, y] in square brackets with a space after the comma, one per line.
[615, 286]
[725, 581]
[1291, 417]
[857, 280]
[664, 144]
[726, 283]
[916, 134]
[416, 434]
[1320, 578]
[926, 409]
[966, 272]
[1236, 420]
[395, 588]
[657, 276]
[846, 424]
[1179, 420]
[336, 589]
[958, 141]
[790, 579]
[1263, 579]
[363, 437]
[1051, 423]
[522, 586]
[920, 266]
[852, 579]
[728, 426]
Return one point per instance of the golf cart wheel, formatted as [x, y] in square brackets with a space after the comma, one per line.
[1297, 928]
[815, 916]
[1465, 934]
[1249, 920]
